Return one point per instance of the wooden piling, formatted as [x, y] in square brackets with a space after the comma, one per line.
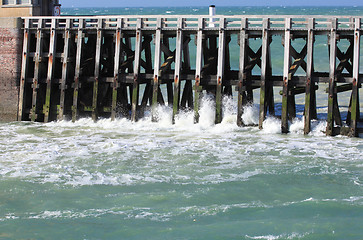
[115, 84]
[220, 70]
[310, 84]
[332, 81]
[286, 76]
[264, 59]
[37, 60]
[243, 43]
[76, 83]
[198, 69]
[156, 70]
[355, 91]
[97, 70]
[65, 66]
[24, 69]
[135, 86]
[178, 65]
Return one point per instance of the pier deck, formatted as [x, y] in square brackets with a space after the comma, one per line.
[110, 66]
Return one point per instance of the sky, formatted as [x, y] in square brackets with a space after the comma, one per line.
[184, 3]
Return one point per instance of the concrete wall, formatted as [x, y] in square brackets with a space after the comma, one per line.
[11, 36]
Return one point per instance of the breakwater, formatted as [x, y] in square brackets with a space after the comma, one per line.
[109, 66]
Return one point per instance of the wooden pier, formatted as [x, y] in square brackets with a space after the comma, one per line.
[120, 66]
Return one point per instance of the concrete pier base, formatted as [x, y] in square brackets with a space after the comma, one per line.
[11, 36]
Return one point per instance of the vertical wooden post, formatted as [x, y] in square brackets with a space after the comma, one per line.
[198, 69]
[97, 69]
[51, 59]
[38, 60]
[264, 58]
[178, 63]
[310, 84]
[286, 76]
[77, 70]
[220, 69]
[24, 70]
[63, 80]
[332, 95]
[156, 70]
[355, 115]
[116, 68]
[135, 89]
[241, 74]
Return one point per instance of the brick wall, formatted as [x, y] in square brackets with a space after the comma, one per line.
[10, 67]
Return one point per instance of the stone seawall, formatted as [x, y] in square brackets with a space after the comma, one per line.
[11, 36]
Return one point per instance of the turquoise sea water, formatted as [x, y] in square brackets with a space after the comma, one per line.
[145, 180]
